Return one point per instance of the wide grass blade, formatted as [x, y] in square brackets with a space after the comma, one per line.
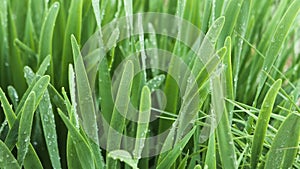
[262, 123]
[25, 127]
[45, 42]
[284, 148]
[85, 99]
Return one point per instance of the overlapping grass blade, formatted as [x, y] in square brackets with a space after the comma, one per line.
[262, 123]
[123, 156]
[82, 147]
[210, 159]
[25, 126]
[85, 98]
[285, 145]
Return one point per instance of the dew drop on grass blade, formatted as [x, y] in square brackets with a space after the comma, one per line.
[262, 123]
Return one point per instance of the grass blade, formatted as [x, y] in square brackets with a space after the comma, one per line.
[25, 127]
[143, 123]
[82, 147]
[285, 145]
[45, 43]
[262, 123]
[7, 159]
[85, 98]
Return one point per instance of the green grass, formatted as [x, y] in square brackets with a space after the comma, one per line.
[64, 106]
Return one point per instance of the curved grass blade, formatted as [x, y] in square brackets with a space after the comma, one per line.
[45, 42]
[143, 123]
[7, 159]
[85, 98]
[81, 145]
[285, 145]
[25, 127]
[262, 123]
[172, 155]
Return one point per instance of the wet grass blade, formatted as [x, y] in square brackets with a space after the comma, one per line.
[7, 159]
[45, 42]
[85, 98]
[262, 123]
[25, 127]
[284, 148]
[8, 111]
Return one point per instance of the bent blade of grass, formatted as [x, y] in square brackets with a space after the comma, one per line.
[122, 100]
[45, 41]
[277, 41]
[25, 127]
[173, 154]
[143, 123]
[262, 123]
[85, 98]
[7, 159]
[82, 147]
[285, 145]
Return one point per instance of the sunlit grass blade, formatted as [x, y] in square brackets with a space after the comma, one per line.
[262, 123]
[284, 148]
[25, 126]
[7, 159]
[210, 159]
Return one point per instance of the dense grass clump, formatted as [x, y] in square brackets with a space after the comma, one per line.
[90, 84]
